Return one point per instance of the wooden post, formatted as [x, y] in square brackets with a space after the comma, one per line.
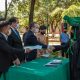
[31, 11]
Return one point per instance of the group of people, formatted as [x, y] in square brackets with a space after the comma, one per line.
[12, 50]
[11, 47]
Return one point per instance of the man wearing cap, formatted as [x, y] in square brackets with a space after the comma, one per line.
[7, 53]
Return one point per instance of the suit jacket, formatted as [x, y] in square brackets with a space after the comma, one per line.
[31, 40]
[14, 40]
[7, 54]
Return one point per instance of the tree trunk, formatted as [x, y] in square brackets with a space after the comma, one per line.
[52, 30]
[5, 16]
[31, 11]
[5, 9]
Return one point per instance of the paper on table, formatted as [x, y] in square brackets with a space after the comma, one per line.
[33, 47]
[55, 62]
[45, 55]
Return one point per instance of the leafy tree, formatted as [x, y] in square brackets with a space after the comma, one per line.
[44, 11]
[72, 11]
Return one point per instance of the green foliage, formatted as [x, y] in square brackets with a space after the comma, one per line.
[56, 14]
[1, 14]
[72, 11]
[45, 10]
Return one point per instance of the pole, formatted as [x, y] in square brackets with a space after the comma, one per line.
[5, 9]
[47, 18]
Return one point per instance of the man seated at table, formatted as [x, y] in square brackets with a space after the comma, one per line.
[31, 40]
[7, 53]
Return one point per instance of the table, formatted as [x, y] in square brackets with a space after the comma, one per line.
[36, 70]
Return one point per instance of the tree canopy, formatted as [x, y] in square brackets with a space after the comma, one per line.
[42, 11]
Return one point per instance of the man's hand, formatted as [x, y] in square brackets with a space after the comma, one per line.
[40, 52]
[27, 50]
[51, 47]
[16, 62]
[48, 51]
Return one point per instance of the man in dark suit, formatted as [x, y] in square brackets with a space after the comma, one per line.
[31, 40]
[7, 53]
[15, 39]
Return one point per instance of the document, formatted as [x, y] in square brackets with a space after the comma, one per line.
[33, 47]
[54, 63]
[46, 55]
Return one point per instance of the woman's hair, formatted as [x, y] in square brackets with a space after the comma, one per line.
[42, 27]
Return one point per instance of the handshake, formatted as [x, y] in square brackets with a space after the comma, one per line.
[27, 50]
[50, 48]
[41, 52]
[39, 49]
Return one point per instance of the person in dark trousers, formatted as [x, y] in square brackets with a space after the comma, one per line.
[14, 39]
